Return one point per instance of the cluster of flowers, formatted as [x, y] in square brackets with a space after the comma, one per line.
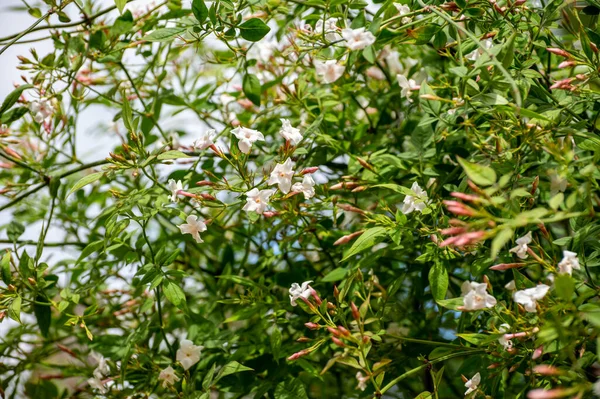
[256, 200]
[187, 355]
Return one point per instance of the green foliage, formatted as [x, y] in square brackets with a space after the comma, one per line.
[342, 199]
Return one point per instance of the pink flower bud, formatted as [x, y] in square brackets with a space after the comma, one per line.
[538, 352]
[546, 369]
[548, 394]
[454, 230]
[334, 331]
[350, 208]
[270, 214]
[310, 170]
[298, 355]
[567, 64]
[312, 326]
[355, 312]
[506, 266]
[203, 183]
[558, 51]
[338, 342]
[347, 238]
[343, 331]
[465, 197]
[208, 197]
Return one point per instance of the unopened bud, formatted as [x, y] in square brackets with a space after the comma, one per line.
[364, 163]
[203, 183]
[347, 238]
[298, 355]
[310, 170]
[336, 292]
[312, 326]
[431, 97]
[355, 312]
[338, 342]
[334, 331]
[558, 51]
[350, 208]
[303, 339]
[344, 332]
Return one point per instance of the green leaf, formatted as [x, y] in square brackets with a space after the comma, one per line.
[335, 275]
[200, 11]
[452, 304]
[275, 339]
[164, 34]
[231, 368]
[84, 181]
[43, 315]
[499, 241]
[477, 339]
[12, 98]
[5, 268]
[174, 154]
[174, 293]
[252, 88]
[290, 389]
[120, 5]
[564, 286]
[366, 240]
[13, 114]
[479, 174]
[253, 29]
[208, 378]
[14, 310]
[438, 281]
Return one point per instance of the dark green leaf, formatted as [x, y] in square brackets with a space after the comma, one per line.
[253, 29]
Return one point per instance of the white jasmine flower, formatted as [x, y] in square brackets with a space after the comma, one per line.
[407, 86]
[290, 133]
[41, 110]
[307, 187]
[168, 377]
[205, 140]
[476, 296]
[362, 381]
[300, 291]
[257, 200]
[102, 369]
[403, 9]
[246, 138]
[392, 59]
[529, 297]
[521, 248]
[417, 202]
[188, 354]
[193, 227]
[328, 71]
[226, 98]
[473, 384]
[475, 54]
[511, 286]
[357, 39]
[506, 343]
[96, 383]
[175, 188]
[375, 73]
[558, 184]
[568, 263]
[282, 176]
[329, 28]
